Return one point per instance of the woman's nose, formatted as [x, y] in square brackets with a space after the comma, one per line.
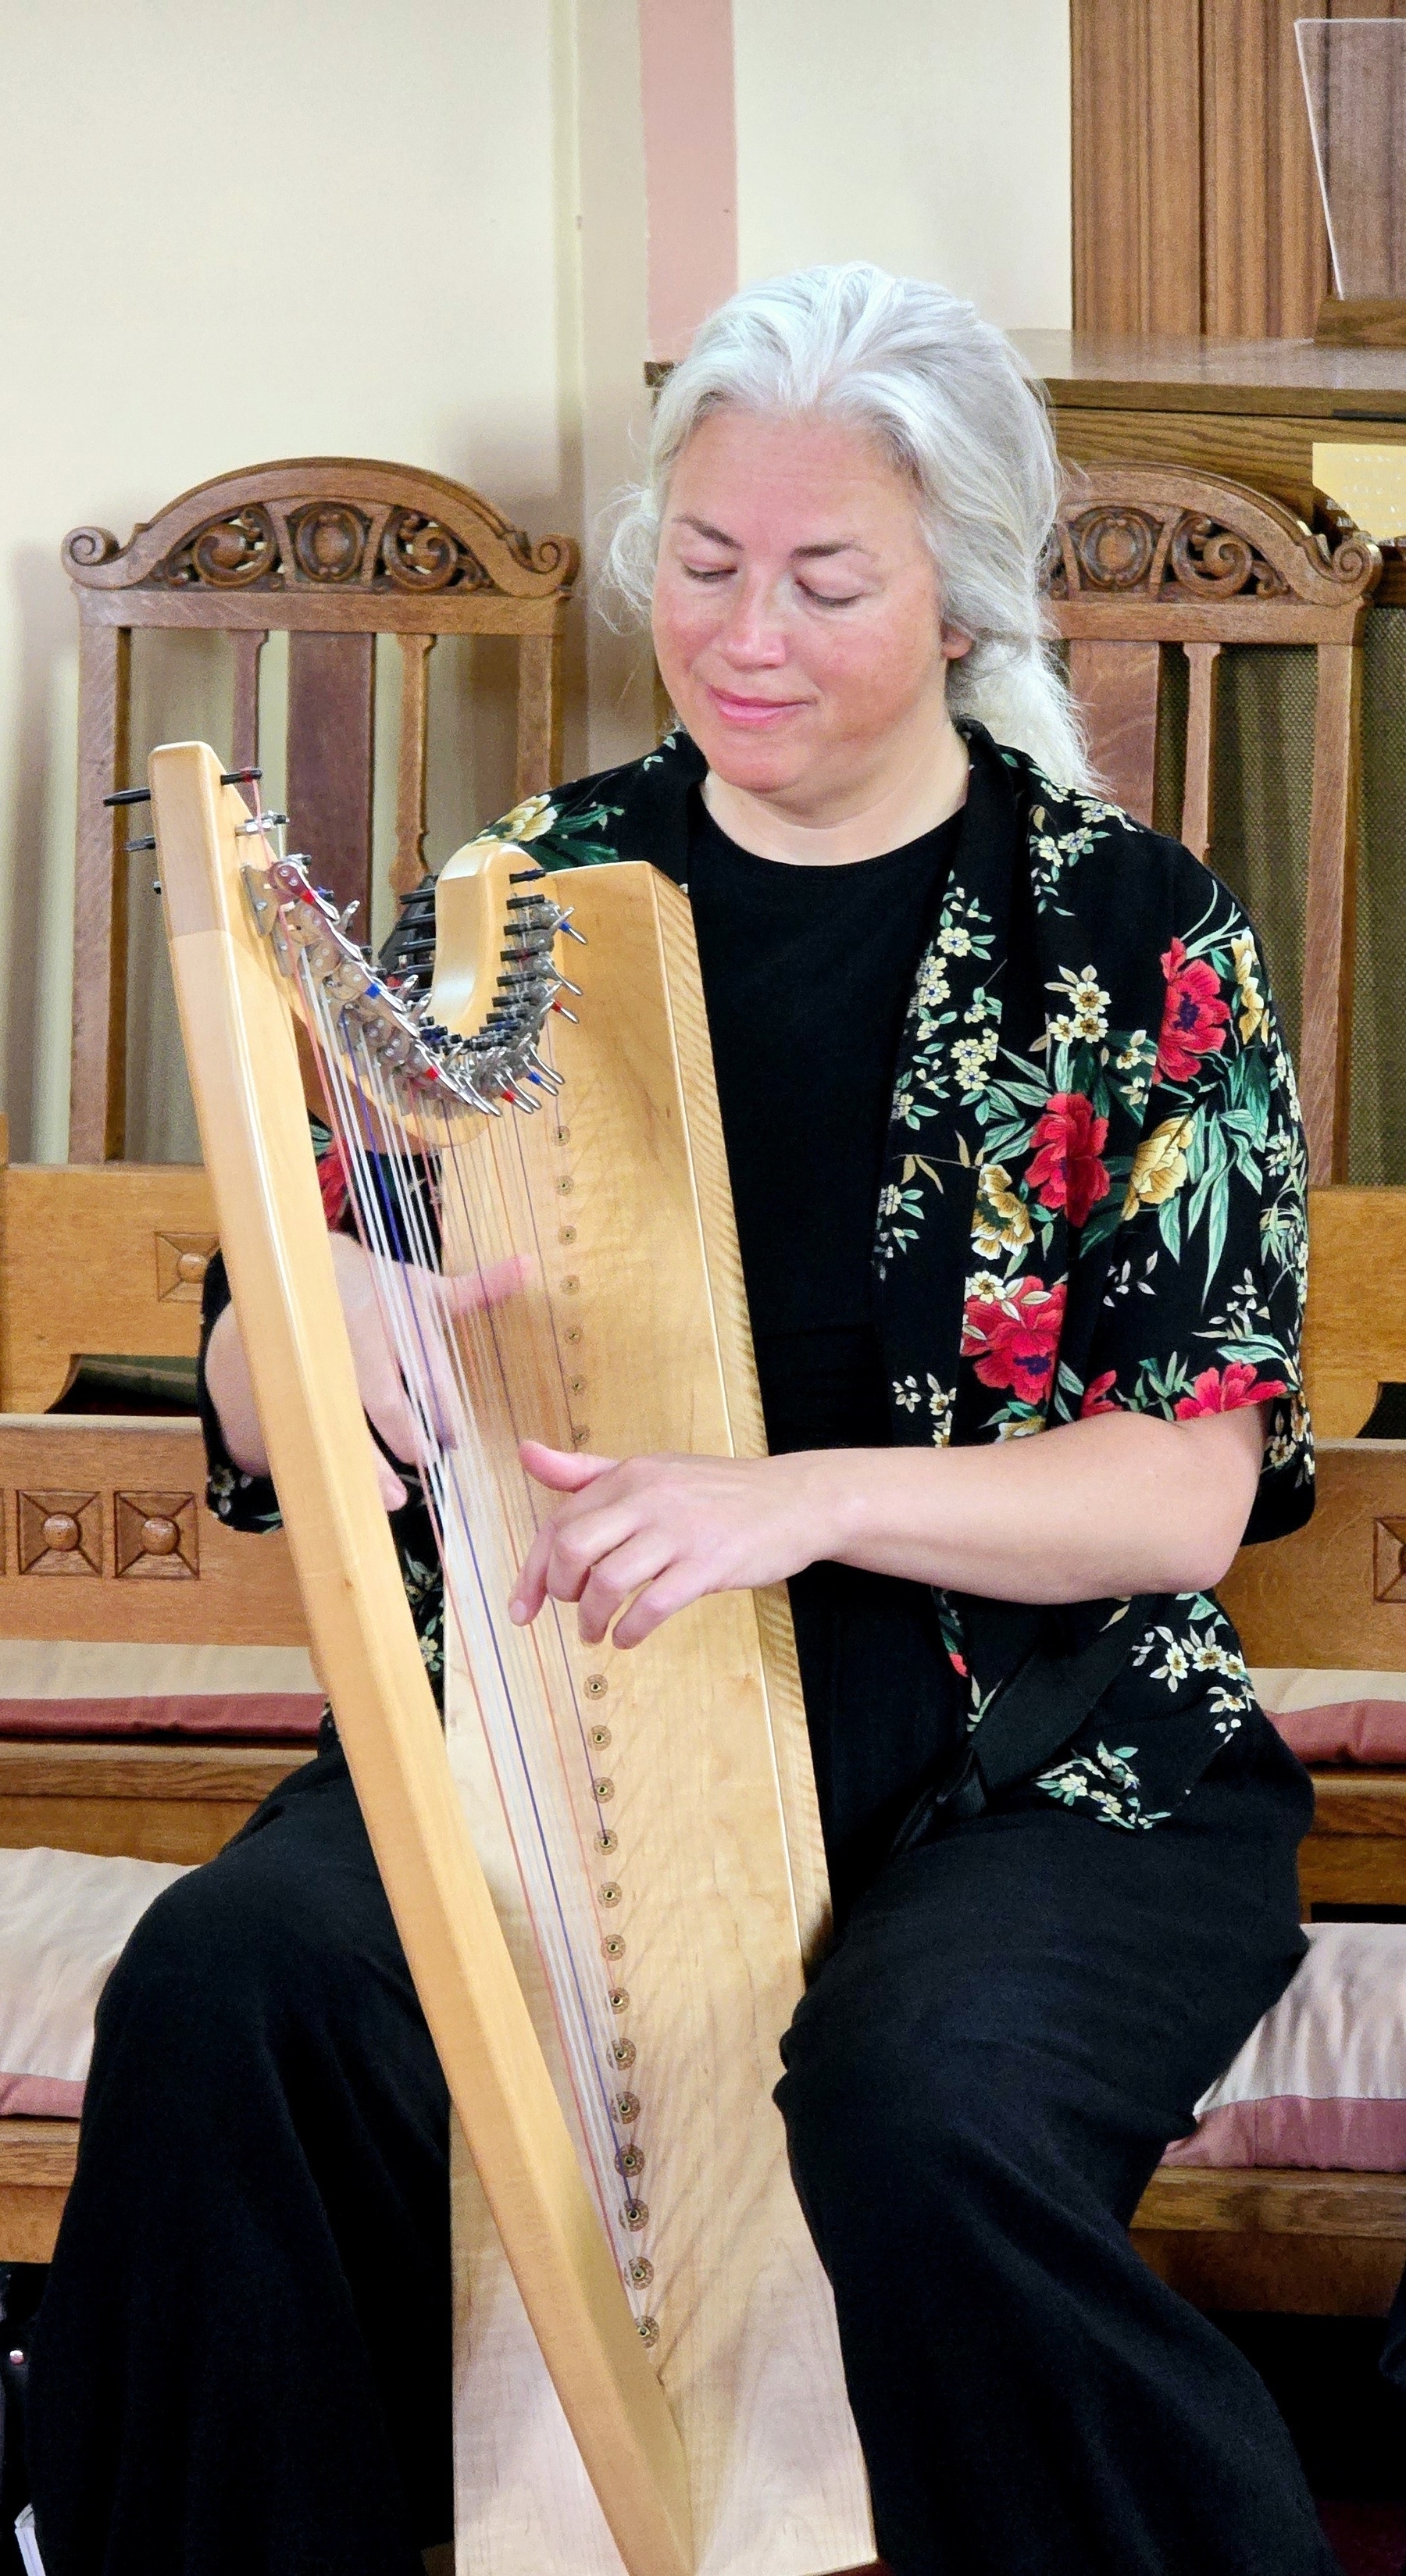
[753, 634]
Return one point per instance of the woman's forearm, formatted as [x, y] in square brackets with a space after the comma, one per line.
[1119, 1504]
[231, 1392]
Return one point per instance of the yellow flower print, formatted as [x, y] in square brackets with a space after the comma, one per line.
[1252, 1005]
[1002, 1221]
[535, 815]
[1159, 1165]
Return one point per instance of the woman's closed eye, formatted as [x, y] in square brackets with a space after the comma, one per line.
[829, 599]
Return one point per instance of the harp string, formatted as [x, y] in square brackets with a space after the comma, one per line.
[423, 1177]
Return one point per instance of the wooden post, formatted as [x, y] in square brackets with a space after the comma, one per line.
[1330, 913]
[98, 1087]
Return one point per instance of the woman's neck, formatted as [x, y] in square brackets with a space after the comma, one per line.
[900, 808]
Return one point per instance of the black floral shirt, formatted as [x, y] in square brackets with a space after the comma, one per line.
[1094, 1201]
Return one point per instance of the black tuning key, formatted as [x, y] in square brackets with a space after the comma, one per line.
[239, 777]
[129, 796]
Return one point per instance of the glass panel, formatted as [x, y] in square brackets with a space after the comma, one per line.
[1354, 77]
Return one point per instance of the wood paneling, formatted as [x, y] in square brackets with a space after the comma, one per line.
[1315, 2244]
[1137, 216]
[1264, 242]
[1196, 204]
[37, 2159]
[149, 1801]
[105, 1474]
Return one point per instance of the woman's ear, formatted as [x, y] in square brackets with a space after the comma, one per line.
[954, 644]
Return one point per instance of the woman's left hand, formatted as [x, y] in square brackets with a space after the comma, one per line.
[658, 1532]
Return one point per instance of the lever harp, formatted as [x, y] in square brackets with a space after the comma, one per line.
[606, 1869]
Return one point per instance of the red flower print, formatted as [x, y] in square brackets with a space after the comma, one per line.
[333, 1185]
[1194, 1020]
[1098, 1395]
[1226, 1390]
[1013, 1334]
[1066, 1170]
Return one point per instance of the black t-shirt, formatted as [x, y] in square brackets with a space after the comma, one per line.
[807, 974]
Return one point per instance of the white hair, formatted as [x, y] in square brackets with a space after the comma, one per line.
[943, 393]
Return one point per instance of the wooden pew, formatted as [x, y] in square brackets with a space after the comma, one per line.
[1333, 1595]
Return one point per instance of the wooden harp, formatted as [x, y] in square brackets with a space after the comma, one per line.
[606, 1869]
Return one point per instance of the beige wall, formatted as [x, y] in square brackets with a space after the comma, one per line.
[235, 234]
[930, 135]
[416, 232]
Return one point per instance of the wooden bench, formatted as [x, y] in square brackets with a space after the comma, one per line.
[1333, 1595]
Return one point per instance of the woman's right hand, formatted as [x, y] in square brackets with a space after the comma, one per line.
[378, 1375]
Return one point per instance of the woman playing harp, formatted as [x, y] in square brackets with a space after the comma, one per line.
[1014, 1150]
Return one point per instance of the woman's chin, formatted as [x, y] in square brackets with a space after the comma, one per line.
[762, 763]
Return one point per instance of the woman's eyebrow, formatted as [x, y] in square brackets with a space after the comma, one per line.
[715, 536]
[720, 537]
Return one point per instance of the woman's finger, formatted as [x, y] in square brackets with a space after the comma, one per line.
[616, 1578]
[469, 1290]
[671, 1590]
[558, 1563]
[565, 1470]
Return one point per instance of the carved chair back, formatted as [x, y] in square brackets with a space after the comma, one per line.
[1146, 557]
[331, 552]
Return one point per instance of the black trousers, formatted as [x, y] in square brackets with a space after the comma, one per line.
[242, 2361]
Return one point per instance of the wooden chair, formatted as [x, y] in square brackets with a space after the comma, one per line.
[109, 1257]
[1150, 556]
[1334, 1595]
[332, 552]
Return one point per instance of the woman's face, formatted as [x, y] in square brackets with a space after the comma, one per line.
[796, 614]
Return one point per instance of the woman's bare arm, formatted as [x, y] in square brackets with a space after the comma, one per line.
[1118, 1504]
[378, 1377]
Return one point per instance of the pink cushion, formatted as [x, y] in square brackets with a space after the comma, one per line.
[39, 2097]
[1321, 2080]
[1371, 1732]
[205, 1717]
[1337, 1717]
[66, 1689]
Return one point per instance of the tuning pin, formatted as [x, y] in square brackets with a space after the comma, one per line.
[129, 796]
[239, 777]
[147, 843]
[349, 912]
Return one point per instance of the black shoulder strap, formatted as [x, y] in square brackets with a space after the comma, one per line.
[1035, 1714]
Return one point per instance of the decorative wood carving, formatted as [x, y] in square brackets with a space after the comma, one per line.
[1389, 1560]
[331, 551]
[157, 1536]
[181, 1263]
[60, 1533]
[326, 524]
[1200, 539]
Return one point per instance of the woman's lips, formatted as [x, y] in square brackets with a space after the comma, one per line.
[754, 712]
